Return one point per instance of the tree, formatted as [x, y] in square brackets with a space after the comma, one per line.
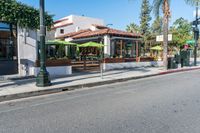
[164, 5]
[182, 31]
[192, 2]
[145, 18]
[156, 27]
[133, 28]
[25, 16]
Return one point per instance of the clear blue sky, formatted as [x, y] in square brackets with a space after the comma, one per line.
[116, 12]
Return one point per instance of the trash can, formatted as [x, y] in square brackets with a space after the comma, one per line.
[177, 59]
[185, 58]
[172, 64]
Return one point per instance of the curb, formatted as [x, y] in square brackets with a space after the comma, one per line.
[74, 87]
[179, 70]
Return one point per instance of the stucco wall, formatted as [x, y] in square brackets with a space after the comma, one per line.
[55, 71]
[107, 47]
[112, 66]
[27, 51]
[78, 21]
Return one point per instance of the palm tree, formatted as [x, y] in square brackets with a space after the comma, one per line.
[134, 28]
[165, 6]
[192, 2]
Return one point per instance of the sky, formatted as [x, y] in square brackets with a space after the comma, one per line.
[119, 13]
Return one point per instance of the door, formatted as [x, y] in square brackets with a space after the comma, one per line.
[8, 50]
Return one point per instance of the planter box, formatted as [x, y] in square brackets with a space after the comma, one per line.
[128, 65]
[56, 71]
[130, 59]
[146, 59]
[60, 67]
[114, 60]
[120, 60]
[53, 63]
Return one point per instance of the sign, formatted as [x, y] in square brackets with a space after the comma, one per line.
[160, 38]
[195, 12]
[195, 22]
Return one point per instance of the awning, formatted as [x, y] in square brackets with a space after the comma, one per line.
[190, 42]
[59, 42]
[157, 48]
[91, 44]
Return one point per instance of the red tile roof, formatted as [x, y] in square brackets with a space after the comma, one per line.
[61, 20]
[61, 26]
[105, 31]
[73, 34]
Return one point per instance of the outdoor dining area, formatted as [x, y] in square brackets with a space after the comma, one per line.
[81, 56]
[89, 56]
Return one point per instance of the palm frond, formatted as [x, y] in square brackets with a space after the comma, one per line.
[192, 2]
[157, 5]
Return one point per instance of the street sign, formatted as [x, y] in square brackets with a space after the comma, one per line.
[195, 12]
[195, 22]
[159, 38]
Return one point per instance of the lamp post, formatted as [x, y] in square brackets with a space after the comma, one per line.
[42, 79]
[196, 34]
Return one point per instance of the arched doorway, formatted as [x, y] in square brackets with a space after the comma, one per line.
[8, 49]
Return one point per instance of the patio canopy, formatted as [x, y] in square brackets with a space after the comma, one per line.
[59, 42]
[91, 44]
[190, 42]
[157, 48]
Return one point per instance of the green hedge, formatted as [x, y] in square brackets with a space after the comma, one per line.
[18, 13]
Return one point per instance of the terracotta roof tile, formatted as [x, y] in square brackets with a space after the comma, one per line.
[61, 20]
[63, 25]
[104, 32]
[89, 33]
[73, 34]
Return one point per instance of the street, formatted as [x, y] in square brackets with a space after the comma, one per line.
[162, 104]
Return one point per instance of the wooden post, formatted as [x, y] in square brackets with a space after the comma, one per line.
[132, 49]
[121, 47]
[137, 52]
[137, 49]
[84, 63]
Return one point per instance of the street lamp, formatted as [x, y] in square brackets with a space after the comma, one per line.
[196, 34]
[42, 79]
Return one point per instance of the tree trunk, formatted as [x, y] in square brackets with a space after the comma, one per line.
[165, 41]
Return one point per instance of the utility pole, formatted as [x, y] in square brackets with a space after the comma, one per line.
[42, 79]
[196, 34]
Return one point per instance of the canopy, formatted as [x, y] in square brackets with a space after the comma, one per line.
[190, 42]
[59, 42]
[158, 48]
[91, 44]
[129, 45]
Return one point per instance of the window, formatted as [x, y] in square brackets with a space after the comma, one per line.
[61, 31]
[4, 26]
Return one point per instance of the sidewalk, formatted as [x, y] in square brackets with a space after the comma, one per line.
[14, 89]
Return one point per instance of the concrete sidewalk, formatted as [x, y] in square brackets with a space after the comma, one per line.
[14, 89]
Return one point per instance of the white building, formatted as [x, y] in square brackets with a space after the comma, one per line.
[19, 46]
[19, 52]
[74, 23]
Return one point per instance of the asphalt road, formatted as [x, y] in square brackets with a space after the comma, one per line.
[163, 104]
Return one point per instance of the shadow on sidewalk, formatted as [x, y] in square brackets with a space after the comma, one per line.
[89, 75]
[78, 76]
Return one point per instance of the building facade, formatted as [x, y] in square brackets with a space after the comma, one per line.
[18, 50]
[74, 23]
[117, 43]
